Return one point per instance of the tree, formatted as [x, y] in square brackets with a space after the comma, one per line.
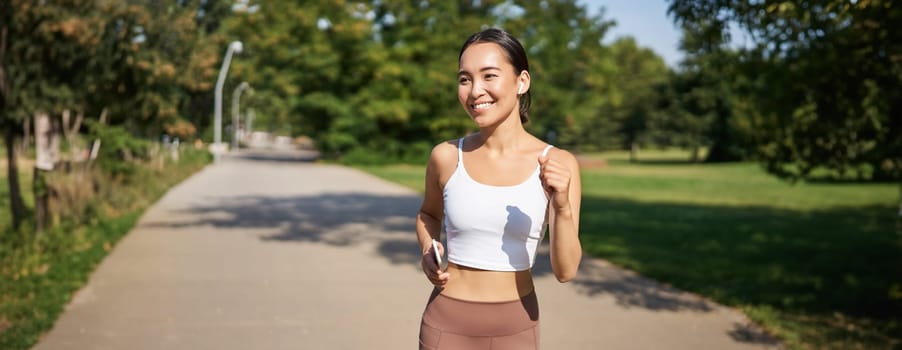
[679, 119]
[639, 76]
[9, 119]
[135, 61]
[163, 63]
[381, 75]
[305, 63]
[573, 73]
[825, 79]
[41, 48]
[357, 76]
[707, 98]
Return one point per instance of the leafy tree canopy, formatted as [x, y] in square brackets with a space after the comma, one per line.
[823, 81]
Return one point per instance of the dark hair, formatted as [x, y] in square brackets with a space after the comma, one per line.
[514, 52]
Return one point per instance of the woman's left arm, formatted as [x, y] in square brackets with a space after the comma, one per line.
[560, 177]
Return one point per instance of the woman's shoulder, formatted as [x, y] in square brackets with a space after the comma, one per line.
[443, 161]
[444, 152]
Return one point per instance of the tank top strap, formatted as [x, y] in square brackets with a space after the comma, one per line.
[547, 148]
[460, 150]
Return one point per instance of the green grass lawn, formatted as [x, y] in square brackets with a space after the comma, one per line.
[820, 265]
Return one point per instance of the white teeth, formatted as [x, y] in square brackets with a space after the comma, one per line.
[482, 105]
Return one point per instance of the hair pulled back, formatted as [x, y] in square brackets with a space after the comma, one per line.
[515, 53]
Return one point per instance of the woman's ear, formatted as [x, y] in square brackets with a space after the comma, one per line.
[524, 81]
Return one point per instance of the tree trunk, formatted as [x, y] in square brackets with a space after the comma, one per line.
[41, 200]
[695, 151]
[70, 131]
[45, 159]
[26, 136]
[17, 206]
[634, 152]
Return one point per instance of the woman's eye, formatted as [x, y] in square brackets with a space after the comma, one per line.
[463, 80]
[490, 76]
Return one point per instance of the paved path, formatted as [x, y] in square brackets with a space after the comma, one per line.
[271, 253]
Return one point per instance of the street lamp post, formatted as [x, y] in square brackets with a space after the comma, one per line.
[248, 125]
[217, 147]
[236, 95]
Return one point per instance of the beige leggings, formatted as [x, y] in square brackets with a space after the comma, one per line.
[456, 324]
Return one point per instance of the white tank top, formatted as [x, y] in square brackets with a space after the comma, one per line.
[493, 227]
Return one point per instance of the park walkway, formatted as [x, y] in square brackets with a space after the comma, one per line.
[263, 251]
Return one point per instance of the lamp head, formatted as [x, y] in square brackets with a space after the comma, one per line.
[236, 46]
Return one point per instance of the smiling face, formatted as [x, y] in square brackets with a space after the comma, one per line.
[488, 83]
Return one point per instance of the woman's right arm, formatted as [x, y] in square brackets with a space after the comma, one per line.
[429, 219]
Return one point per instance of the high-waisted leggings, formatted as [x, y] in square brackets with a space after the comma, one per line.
[454, 324]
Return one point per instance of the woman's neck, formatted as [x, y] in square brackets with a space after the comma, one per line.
[503, 138]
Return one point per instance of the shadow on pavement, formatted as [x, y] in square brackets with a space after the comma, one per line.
[388, 221]
[335, 219]
[630, 289]
[274, 155]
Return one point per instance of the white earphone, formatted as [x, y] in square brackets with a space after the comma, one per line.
[520, 89]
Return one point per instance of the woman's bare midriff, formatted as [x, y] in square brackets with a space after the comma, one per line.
[471, 284]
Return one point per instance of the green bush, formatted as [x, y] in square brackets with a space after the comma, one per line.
[119, 150]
